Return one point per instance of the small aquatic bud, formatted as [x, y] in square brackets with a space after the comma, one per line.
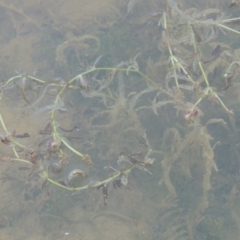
[191, 114]
[55, 145]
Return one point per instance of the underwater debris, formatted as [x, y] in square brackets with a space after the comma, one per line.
[233, 3]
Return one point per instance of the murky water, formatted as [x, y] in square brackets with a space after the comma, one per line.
[94, 142]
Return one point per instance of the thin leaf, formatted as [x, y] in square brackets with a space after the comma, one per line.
[130, 6]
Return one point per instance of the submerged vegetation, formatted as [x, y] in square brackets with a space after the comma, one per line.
[162, 118]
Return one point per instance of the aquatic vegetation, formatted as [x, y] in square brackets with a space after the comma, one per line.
[135, 118]
[85, 43]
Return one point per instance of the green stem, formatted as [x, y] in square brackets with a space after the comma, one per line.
[172, 58]
[110, 179]
[71, 148]
[203, 73]
[228, 28]
[230, 20]
[222, 103]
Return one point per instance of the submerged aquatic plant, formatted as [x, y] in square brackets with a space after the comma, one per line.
[120, 107]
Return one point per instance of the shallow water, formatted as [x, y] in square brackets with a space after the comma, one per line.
[57, 40]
